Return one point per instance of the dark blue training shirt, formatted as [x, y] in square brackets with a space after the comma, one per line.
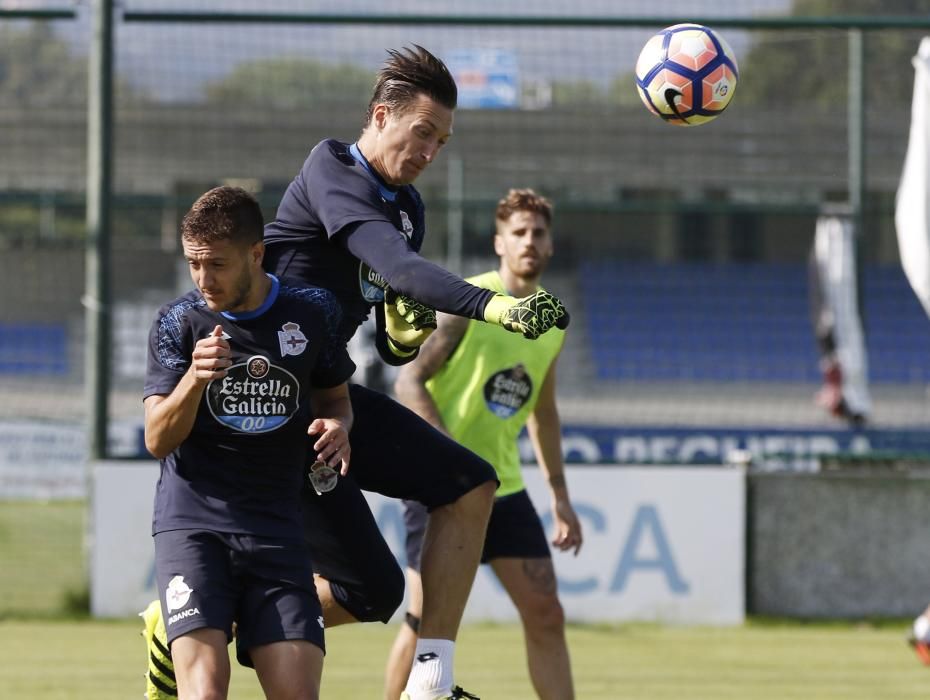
[241, 468]
[352, 233]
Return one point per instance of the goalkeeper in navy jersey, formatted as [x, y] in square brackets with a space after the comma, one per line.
[240, 372]
[352, 222]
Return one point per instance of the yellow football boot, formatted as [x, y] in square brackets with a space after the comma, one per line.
[160, 683]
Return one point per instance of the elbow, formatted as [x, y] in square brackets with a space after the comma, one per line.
[405, 385]
[155, 447]
[402, 278]
[156, 452]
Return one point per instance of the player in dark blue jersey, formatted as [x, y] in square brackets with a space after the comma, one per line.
[352, 222]
[240, 371]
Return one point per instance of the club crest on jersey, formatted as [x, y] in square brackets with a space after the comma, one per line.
[507, 391]
[291, 340]
[406, 225]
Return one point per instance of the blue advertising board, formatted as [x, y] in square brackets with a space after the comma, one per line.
[767, 448]
[486, 78]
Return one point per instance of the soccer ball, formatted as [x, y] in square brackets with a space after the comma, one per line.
[686, 74]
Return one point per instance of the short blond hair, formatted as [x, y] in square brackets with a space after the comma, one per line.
[524, 200]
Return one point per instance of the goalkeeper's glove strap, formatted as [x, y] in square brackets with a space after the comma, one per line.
[400, 349]
[497, 307]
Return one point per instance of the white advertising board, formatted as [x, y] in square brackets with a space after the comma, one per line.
[662, 544]
[42, 460]
[47, 459]
[122, 557]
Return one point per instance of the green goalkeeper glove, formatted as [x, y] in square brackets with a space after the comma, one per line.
[407, 323]
[532, 316]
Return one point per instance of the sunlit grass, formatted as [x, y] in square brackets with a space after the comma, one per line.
[99, 660]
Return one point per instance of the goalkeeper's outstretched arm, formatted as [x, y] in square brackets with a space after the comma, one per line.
[411, 275]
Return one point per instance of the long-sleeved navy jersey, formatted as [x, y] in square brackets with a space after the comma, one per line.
[348, 231]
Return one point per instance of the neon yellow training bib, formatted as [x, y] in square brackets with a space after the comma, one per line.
[488, 387]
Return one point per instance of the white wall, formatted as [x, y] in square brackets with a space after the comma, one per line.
[663, 544]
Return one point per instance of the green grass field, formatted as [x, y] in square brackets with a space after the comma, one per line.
[77, 660]
[42, 558]
[45, 655]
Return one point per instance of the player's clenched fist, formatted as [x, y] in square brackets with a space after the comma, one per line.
[211, 356]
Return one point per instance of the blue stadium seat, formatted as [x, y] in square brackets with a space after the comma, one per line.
[33, 349]
[738, 323]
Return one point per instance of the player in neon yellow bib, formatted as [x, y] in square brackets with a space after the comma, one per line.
[481, 386]
[489, 386]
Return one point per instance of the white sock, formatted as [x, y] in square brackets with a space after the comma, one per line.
[431, 675]
[922, 629]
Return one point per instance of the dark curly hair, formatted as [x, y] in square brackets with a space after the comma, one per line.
[224, 213]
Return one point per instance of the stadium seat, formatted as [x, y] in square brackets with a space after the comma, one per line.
[33, 349]
[738, 323]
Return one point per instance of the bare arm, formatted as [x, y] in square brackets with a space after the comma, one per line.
[333, 427]
[169, 419]
[544, 428]
[410, 386]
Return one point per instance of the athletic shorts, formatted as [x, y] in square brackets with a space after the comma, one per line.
[209, 579]
[514, 530]
[398, 454]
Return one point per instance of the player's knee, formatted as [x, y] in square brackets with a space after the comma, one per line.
[482, 494]
[490, 475]
[472, 509]
[376, 596]
[543, 614]
[481, 473]
[390, 593]
[383, 599]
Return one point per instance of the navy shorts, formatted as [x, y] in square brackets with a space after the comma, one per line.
[514, 530]
[264, 584]
[398, 454]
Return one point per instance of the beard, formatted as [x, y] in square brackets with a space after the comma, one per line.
[241, 290]
[530, 268]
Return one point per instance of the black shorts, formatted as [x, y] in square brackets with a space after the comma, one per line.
[264, 584]
[398, 454]
[514, 530]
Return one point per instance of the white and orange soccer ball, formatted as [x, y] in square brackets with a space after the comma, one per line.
[686, 74]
